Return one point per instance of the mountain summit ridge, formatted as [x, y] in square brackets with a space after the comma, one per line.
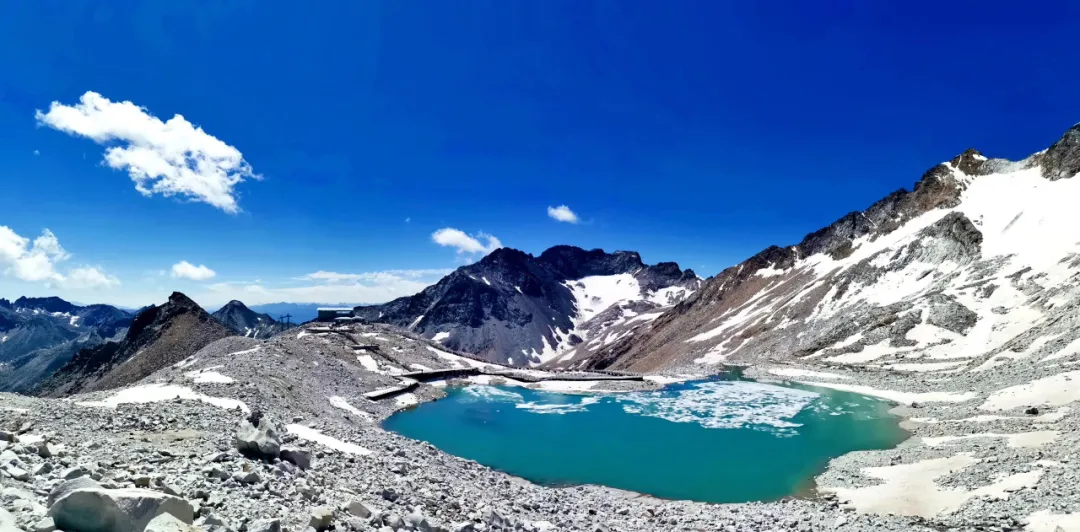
[516, 308]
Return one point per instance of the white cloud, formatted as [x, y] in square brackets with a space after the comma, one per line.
[329, 287]
[88, 278]
[563, 213]
[36, 262]
[187, 270]
[389, 275]
[407, 220]
[464, 243]
[168, 158]
[37, 152]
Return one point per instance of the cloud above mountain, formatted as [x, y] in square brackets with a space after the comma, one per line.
[37, 261]
[187, 270]
[458, 239]
[171, 158]
[562, 213]
[328, 287]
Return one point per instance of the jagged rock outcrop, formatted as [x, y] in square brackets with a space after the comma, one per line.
[246, 322]
[159, 336]
[513, 308]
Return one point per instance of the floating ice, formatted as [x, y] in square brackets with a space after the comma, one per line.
[722, 404]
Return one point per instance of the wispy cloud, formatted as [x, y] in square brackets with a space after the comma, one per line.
[563, 213]
[330, 287]
[455, 238]
[37, 261]
[168, 158]
[187, 270]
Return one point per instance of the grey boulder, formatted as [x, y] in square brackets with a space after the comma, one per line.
[263, 441]
[116, 510]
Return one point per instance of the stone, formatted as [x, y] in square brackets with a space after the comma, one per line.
[66, 487]
[321, 519]
[74, 472]
[265, 525]
[46, 524]
[299, 457]
[389, 494]
[43, 468]
[8, 436]
[47, 450]
[16, 472]
[213, 520]
[1032, 411]
[262, 441]
[168, 523]
[9, 457]
[394, 521]
[358, 509]
[142, 481]
[251, 477]
[117, 510]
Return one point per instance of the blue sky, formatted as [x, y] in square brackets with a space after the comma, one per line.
[699, 132]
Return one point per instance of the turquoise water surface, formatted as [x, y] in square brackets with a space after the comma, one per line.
[719, 440]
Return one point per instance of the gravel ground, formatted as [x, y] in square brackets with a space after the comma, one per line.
[305, 382]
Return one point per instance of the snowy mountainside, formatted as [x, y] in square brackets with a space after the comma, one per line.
[246, 322]
[513, 308]
[955, 275]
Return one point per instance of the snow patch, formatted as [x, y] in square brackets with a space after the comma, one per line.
[154, 393]
[310, 434]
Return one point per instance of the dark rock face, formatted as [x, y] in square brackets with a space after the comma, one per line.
[244, 321]
[38, 335]
[511, 304]
[1062, 159]
[159, 336]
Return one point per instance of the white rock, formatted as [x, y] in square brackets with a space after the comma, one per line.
[119, 510]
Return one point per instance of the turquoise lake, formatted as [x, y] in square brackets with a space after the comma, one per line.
[719, 440]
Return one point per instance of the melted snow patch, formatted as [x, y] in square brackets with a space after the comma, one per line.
[340, 402]
[722, 404]
[369, 363]
[439, 337]
[310, 434]
[205, 376]
[897, 396]
[796, 372]
[909, 489]
[154, 393]
[1047, 521]
[1055, 390]
[406, 399]
[1018, 440]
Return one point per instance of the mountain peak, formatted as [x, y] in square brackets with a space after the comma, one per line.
[179, 299]
[1062, 159]
[48, 304]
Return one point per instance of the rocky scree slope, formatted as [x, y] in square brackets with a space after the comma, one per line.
[514, 308]
[246, 322]
[267, 435]
[159, 336]
[38, 335]
[980, 247]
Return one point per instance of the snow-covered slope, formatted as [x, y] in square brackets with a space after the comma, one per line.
[976, 266]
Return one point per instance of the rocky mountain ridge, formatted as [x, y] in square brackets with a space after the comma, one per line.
[159, 336]
[246, 322]
[511, 307]
[909, 259]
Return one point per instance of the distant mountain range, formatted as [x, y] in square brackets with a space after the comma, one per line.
[513, 308]
[38, 335]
